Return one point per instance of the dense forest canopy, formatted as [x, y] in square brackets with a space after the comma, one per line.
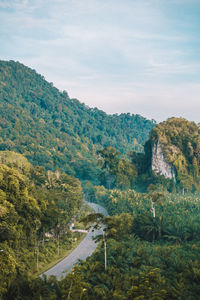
[150, 256]
[54, 131]
[32, 202]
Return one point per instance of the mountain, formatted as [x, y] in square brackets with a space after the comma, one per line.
[176, 151]
[152, 238]
[54, 131]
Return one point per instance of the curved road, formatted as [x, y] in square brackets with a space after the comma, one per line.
[82, 251]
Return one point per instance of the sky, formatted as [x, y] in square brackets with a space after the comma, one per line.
[137, 56]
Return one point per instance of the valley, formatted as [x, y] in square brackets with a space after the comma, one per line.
[54, 153]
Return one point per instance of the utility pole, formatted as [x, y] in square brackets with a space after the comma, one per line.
[37, 256]
[153, 209]
[58, 246]
[105, 253]
[105, 249]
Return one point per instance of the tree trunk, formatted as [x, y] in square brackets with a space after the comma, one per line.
[153, 209]
[105, 254]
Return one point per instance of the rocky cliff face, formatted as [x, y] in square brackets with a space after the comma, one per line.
[159, 165]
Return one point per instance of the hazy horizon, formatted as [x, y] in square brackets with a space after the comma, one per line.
[140, 57]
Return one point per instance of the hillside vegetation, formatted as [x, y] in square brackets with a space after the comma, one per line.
[180, 142]
[54, 131]
[151, 239]
[33, 203]
[147, 257]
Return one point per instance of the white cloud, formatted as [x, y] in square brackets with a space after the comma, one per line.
[117, 55]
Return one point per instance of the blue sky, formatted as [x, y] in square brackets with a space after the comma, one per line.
[137, 56]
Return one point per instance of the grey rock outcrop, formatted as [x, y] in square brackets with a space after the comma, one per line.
[159, 164]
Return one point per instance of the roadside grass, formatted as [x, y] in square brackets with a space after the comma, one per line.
[48, 252]
[45, 264]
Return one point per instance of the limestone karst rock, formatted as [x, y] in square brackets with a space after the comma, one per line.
[159, 164]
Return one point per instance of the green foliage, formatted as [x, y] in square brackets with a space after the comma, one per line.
[167, 268]
[180, 142]
[152, 240]
[116, 172]
[176, 215]
[33, 203]
[142, 161]
[138, 268]
[54, 131]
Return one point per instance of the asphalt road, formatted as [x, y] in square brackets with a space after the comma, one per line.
[82, 251]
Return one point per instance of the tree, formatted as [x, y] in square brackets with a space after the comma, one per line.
[108, 162]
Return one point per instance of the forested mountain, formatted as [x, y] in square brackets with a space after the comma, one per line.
[152, 237]
[180, 143]
[52, 130]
